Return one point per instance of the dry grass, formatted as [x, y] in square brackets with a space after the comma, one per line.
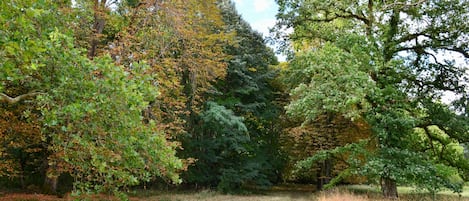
[332, 195]
[276, 194]
[340, 195]
[214, 196]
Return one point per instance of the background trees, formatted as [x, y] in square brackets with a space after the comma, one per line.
[235, 142]
[382, 62]
[83, 117]
[93, 90]
[111, 94]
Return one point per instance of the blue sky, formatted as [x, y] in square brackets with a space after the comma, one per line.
[259, 13]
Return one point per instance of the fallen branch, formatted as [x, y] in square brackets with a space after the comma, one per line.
[11, 100]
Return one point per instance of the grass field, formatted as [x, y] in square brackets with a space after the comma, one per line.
[345, 193]
[348, 193]
[402, 190]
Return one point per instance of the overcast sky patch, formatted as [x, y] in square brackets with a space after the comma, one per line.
[262, 5]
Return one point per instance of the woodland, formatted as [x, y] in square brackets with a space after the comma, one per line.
[107, 96]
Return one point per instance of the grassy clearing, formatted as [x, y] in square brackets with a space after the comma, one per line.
[344, 193]
[332, 195]
[405, 191]
[213, 196]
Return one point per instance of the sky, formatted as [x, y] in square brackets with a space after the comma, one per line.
[259, 13]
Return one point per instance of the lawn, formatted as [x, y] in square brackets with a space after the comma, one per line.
[347, 193]
[344, 193]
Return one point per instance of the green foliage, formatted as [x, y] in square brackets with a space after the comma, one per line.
[220, 149]
[249, 91]
[364, 60]
[93, 115]
[235, 139]
[336, 84]
[357, 154]
[89, 111]
[23, 40]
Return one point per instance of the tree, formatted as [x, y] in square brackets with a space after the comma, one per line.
[249, 91]
[24, 42]
[94, 120]
[220, 147]
[182, 41]
[230, 158]
[89, 111]
[325, 133]
[385, 63]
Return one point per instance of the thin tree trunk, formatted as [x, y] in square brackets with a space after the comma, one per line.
[98, 30]
[389, 188]
[324, 173]
[98, 27]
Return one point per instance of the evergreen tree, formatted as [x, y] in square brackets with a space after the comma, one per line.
[249, 155]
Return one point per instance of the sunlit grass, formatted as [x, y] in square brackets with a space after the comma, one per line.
[344, 193]
[410, 193]
[403, 190]
[209, 195]
[289, 193]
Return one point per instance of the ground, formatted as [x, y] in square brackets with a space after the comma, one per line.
[282, 193]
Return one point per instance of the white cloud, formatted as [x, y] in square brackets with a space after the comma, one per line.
[263, 25]
[262, 5]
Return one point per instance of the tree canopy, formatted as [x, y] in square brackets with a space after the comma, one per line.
[102, 96]
[390, 64]
[104, 92]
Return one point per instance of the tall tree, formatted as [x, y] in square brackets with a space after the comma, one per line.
[230, 157]
[89, 111]
[182, 41]
[24, 46]
[389, 63]
[249, 91]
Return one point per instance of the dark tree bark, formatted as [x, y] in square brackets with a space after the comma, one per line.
[98, 26]
[97, 29]
[50, 181]
[389, 188]
[325, 173]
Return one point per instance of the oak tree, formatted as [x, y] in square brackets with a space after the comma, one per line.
[389, 63]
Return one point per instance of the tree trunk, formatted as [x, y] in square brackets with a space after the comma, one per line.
[389, 188]
[50, 181]
[98, 26]
[324, 173]
[98, 30]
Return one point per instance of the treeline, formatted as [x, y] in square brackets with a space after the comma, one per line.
[102, 96]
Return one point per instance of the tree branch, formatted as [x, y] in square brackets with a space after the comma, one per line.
[350, 15]
[412, 37]
[404, 5]
[418, 48]
[458, 50]
[11, 100]
[344, 15]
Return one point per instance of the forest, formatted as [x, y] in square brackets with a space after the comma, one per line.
[110, 96]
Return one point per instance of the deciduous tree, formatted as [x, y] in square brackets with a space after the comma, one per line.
[389, 63]
[89, 111]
